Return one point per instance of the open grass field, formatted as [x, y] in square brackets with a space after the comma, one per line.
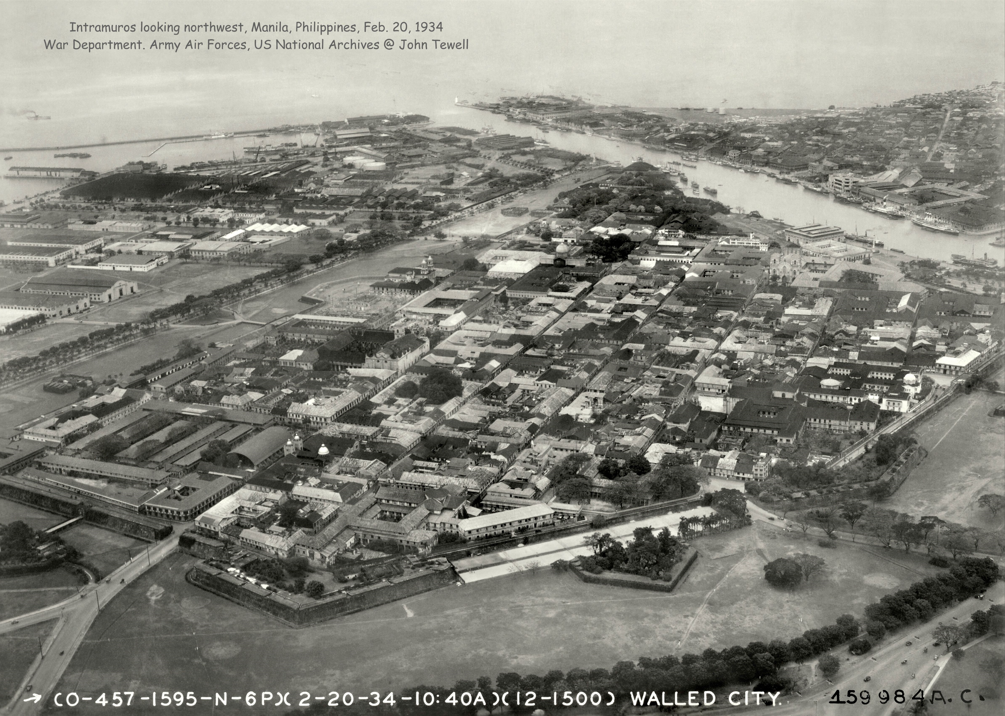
[981, 670]
[28, 400]
[172, 284]
[14, 604]
[17, 650]
[29, 343]
[966, 458]
[366, 268]
[162, 633]
[103, 548]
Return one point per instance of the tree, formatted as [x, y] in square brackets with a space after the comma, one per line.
[408, 389]
[957, 541]
[948, 634]
[992, 502]
[439, 386]
[809, 565]
[576, 489]
[17, 538]
[860, 646]
[878, 522]
[314, 589]
[611, 249]
[610, 469]
[879, 491]
[639, 465]
[828, 518]
[829, 665]
[783, 572]
[851, 512]
[800, 648]
[288, 513]
[108, 447]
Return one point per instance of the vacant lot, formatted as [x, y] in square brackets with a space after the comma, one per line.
[17, 650]
[981, 670]
[966, 454]
[530, 623]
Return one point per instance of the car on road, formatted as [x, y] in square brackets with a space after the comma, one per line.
[903, 662]
[908, 643]
[868, 678]
[936, 643]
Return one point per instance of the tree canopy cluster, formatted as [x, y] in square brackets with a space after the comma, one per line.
[17, 540]
[646, 554]
[439, 386]
[611, 249]
[790, 572]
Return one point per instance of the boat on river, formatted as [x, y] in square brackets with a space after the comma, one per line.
[930, 224]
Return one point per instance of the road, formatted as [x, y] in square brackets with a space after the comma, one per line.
[887, 672]
[942, 131]
[75, 618]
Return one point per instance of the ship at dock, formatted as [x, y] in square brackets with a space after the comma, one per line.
[888, 211]
[73, 155]
[929, 224]
[865, 240]
[961, 260]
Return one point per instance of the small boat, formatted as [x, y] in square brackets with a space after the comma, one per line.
[7, 159]
[710, 190]
[999, 242]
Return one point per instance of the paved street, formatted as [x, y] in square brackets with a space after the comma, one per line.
[75, 617]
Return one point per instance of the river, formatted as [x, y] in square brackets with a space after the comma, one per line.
[788, 202]
[752, 192]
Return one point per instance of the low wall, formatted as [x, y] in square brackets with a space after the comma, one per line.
[14, 570]
[222, 584]
[894, 476]
[616, 579]
[137, 527]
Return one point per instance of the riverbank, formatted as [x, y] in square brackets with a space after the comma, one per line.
[747, 191]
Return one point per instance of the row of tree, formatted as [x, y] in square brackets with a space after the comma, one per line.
[709, 669]
[899, 529]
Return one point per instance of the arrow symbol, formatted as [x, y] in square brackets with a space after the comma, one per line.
[34, 698]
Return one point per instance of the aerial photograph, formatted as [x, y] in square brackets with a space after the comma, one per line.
[492, 357]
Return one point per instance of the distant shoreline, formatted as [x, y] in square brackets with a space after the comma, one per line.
[182, 138]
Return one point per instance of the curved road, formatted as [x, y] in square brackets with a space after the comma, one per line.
[75, 617]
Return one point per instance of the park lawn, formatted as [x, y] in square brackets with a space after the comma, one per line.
[530, 623]
[105, 549]
[977, 672]
[17, 650]
[966, 451]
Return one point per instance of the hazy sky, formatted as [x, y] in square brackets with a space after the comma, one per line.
[764, 53]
